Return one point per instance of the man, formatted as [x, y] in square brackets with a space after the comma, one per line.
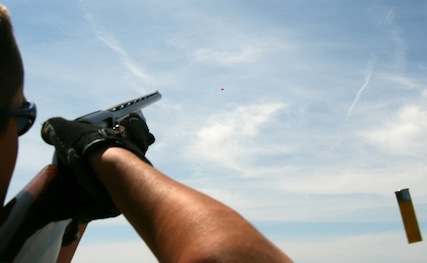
[11, 98]
[179, 224]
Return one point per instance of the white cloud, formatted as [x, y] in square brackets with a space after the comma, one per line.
[347, 179]
[231, 138]
[405, 134]
[390, 247]
[114, 251]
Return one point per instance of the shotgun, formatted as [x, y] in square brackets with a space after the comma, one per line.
[31, 229]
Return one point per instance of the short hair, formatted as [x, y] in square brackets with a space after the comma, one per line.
[11, 66]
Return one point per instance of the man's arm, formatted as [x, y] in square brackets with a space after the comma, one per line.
[178, 223]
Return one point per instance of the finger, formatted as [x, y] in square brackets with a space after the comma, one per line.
[48, 131]
[137, 130]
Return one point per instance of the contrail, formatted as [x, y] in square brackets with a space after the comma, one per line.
[368, 74]
[112, 43]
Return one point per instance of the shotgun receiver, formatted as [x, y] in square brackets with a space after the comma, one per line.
[30, 229]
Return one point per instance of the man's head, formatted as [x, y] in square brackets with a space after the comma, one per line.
[11, 97]
[11, 67]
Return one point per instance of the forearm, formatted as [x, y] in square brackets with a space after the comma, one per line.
[177, 222]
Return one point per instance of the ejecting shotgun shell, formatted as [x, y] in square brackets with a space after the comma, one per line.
[408, 215]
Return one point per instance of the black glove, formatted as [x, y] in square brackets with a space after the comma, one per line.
[73, 142]
[137, 131]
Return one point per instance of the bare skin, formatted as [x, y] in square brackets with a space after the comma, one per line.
[178, 223]
[9, 141]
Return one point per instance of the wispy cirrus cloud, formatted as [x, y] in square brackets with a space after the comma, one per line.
[367, 78]
[245, 54]
[114, 45]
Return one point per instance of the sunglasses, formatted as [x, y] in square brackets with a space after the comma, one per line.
[25, 116]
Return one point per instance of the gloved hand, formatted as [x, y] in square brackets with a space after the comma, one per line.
[74, 141]
[137, 131]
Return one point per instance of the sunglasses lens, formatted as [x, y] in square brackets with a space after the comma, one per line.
[23, 125]
[24, 116]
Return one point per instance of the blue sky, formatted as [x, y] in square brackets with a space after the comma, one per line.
[321, 118]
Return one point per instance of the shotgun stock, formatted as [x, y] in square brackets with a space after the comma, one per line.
[31, 229]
